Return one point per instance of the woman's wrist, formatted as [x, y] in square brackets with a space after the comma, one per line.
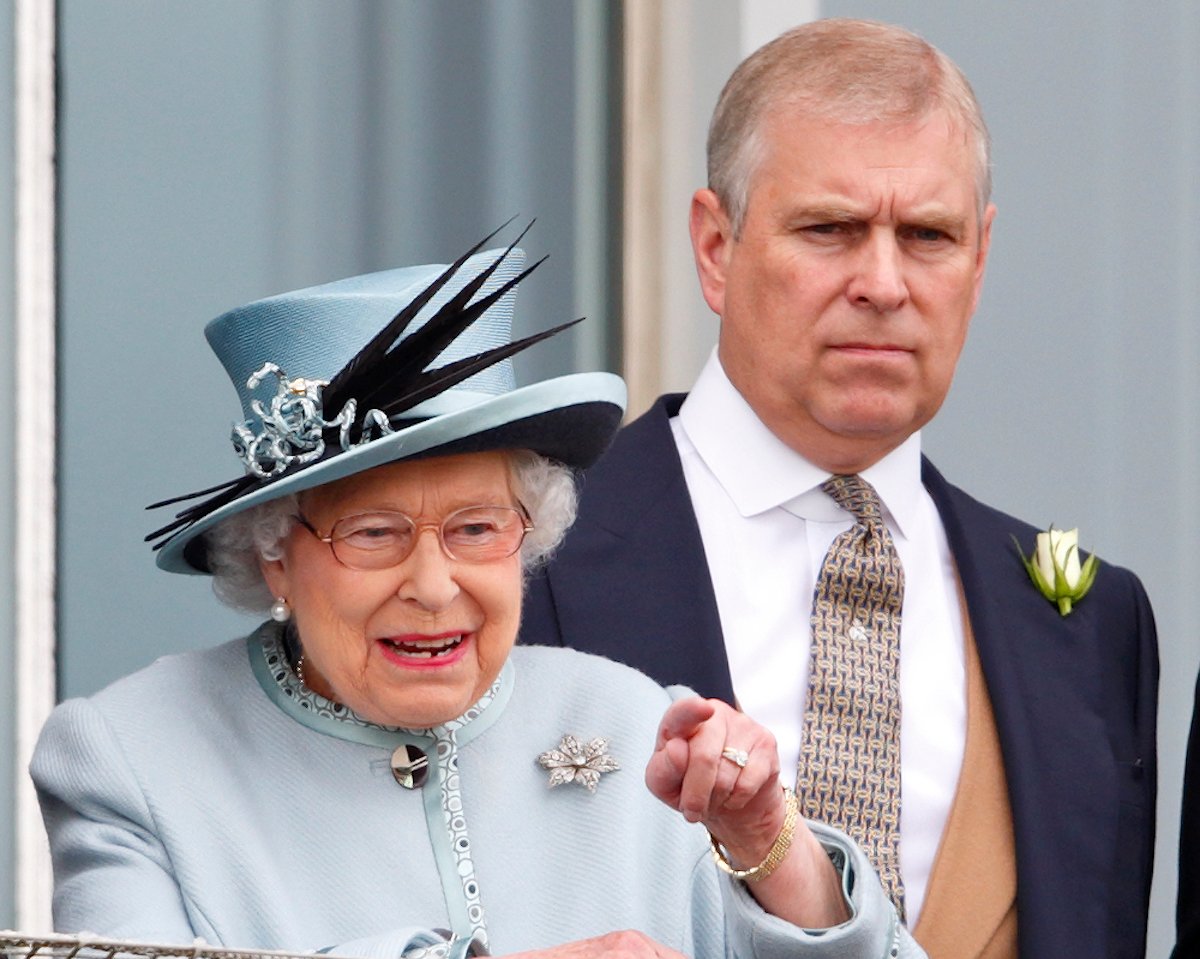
[774, 855]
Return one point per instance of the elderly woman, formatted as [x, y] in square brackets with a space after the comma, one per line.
[376, 770]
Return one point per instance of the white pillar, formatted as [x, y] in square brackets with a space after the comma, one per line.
[36, 526]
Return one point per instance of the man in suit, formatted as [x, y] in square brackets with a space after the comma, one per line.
[1187, 913]
[842, 242]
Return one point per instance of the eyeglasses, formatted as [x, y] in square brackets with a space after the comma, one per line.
[380, 540]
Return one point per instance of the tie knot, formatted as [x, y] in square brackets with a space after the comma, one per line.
[856, 496]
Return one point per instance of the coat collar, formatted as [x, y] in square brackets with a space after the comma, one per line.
[275, 676]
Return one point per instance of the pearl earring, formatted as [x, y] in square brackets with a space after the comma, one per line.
[281, 612]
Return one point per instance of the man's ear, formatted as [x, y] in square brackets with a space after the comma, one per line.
[981, 254]
[712, 243]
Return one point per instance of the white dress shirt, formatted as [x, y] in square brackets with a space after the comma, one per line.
[766, 526]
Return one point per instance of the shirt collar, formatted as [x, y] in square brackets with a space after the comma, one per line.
[759, 472]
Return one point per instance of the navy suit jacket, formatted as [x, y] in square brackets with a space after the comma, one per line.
[1074, 697]
[1188, 911]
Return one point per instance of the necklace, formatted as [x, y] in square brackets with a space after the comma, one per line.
[293, 650]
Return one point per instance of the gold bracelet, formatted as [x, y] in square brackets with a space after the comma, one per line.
[775, 855]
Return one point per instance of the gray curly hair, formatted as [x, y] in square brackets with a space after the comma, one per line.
[237, 546]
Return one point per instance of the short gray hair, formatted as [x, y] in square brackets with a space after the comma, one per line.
[852, 71]
[237, 546]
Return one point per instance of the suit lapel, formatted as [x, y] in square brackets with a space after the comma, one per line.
[1041, 671]
[644, 547]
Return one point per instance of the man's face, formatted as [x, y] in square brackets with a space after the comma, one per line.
[845, 302]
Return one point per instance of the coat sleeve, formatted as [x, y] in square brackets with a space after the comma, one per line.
[730, 922]
[112, 875]
[112, 872]
[722, 902]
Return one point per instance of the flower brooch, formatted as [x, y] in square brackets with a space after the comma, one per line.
[1055, 569]
[577, 761]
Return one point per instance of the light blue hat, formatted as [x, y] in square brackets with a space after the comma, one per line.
[343, 377]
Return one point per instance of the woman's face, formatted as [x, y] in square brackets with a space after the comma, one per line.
[417, 644]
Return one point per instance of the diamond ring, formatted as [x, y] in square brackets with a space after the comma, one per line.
[739, 757]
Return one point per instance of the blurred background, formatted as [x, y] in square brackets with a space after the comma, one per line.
[209, 152]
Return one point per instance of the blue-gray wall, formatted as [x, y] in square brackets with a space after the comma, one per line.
[216, 152]
[1077, 400]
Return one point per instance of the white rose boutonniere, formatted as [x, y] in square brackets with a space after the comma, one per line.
[1055, 569]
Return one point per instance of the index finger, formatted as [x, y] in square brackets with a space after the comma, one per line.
[683, 718]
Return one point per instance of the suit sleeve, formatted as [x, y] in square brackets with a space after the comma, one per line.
[1188, 908]
[1146, 774]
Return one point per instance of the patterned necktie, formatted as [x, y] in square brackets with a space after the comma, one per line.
[849, 773]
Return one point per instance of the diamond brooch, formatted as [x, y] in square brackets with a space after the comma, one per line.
[577, 761]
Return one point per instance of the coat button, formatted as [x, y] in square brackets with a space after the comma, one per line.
[410, 767]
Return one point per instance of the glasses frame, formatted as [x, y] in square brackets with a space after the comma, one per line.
[527, 527]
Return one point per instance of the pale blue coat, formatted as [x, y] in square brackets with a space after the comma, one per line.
[206, 797]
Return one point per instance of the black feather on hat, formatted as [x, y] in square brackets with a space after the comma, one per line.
[386, 401]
